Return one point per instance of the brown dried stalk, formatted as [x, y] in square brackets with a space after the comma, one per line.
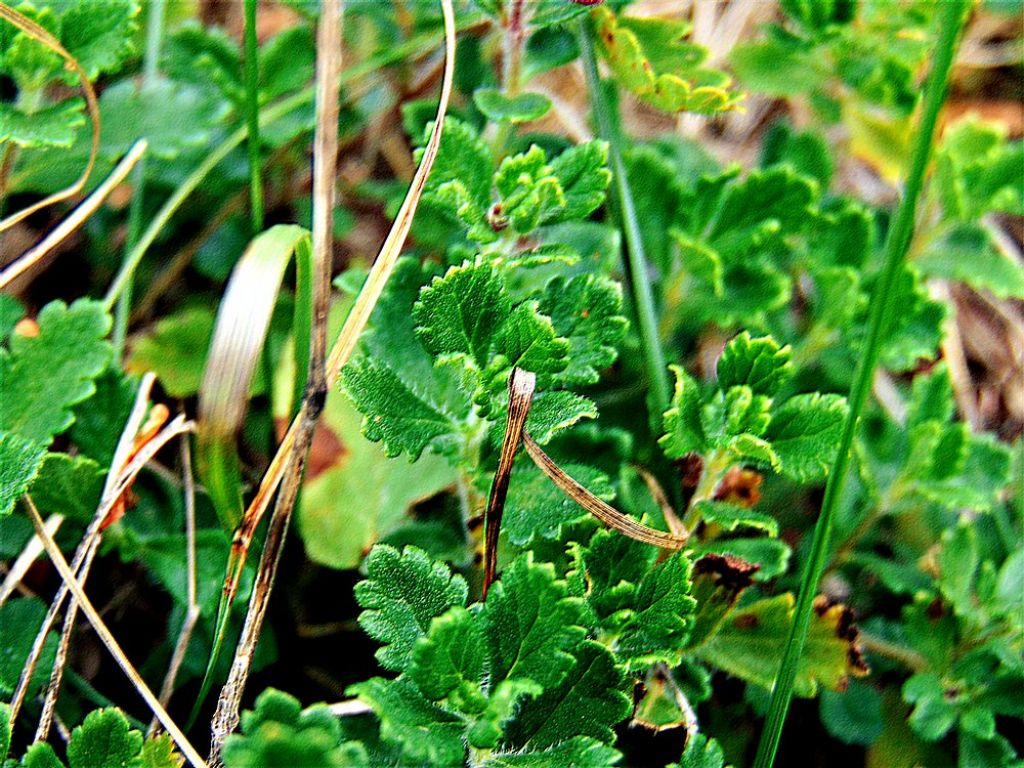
[108, 639]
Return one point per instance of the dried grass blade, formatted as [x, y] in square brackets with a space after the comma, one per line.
[109, 641]
[521, 386]
[41, 35]
[601, 510]
[76, 218]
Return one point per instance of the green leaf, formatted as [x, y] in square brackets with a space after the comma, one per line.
[405, 591]
[43, 376]
[537, 508]
[531, 625]
[41, 755]
[5, 728]
[460, 314]
[70, 486]
[159, 752]
[684, 430]
[100, 420]
[521, 108]
[527, 340]
[758, 363]
[20, 620]
[20, 461]
[934, 713]
[750, 642]
[552, 412]
[448, 663]
[579, 752]
[395, 412]
[958, 565]
[663, 615]
[650, 57]
[530, 192]
[589, 701]
[335, 528]
[99, 33]
[104, 738]
[278, 733]
[55, 125]
[967, 253]
[804, 432]
[459, 183]
[805, 152]
[175, 349]
[582, 172]
[732, 516]
[586, 310]
[931, 397]
[427, 734]
[853, 716]
[701, 752]
[718, 583]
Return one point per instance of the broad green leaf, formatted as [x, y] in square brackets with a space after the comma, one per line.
[582, 172]
[650, 57]
[448, 663]
[43, 376]
[104, 738]
[460, 314]
[361, 497]
[701, 752]
[521, 108]
[586, 310]
[804, 433]
[99, 33]
[55, 125]
[20, 461]
[931, 397]
[749, 644]
[175, 349]
[589, 702]
[279, 733]
[100, 420]
[70, 486]
[531, 625]
[663, 615]
[758, 363]
[967, 253]
[537, 508]
[159, 752]
[403, 593]
[934, 713]
[528, 340]
[853, 716]
[805, 152]
[11, 312]
[426, 733]
[461, 173]
[20, 620]
[396, 413]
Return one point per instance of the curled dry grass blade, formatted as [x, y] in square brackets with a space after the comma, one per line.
[521, 385]
[76, 218]
[243, 321]
[897, 241]
[108, 639]
[39, 34]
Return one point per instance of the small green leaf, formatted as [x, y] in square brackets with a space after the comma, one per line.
[104, 738]
[582, 172]
[684, 431]
[758, 363]
[405, 591]
[20, 461]
[934, 713]
[448, 663]
[53, 126]
[537, 508]
[20, 620]
[43, 376]
[175, 349]
[804, 432]
[663, 615]
[521, 108]
[701, 752]
[70, 486]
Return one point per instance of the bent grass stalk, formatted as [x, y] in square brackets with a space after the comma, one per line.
[896, 244]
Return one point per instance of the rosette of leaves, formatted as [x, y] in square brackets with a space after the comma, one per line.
[466, 195]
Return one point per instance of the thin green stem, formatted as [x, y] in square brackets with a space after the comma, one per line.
[252, 117]
[414, 47]
[896, 244]
[643, 296]
[154, 41]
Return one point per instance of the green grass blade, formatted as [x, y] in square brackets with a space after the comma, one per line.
[643, 297]
[252, 116]
[896, 244]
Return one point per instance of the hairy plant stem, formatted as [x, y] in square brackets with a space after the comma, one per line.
[513, 24]
[898, 238]
[636, 265]
[325, 161]
[154, 39]
[908, 657]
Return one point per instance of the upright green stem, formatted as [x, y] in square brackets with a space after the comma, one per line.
[154, 39]
[895, 248]
[513, 25]
[252, 116]
[643, 296]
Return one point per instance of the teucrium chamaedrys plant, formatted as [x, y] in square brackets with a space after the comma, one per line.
[688, 328]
